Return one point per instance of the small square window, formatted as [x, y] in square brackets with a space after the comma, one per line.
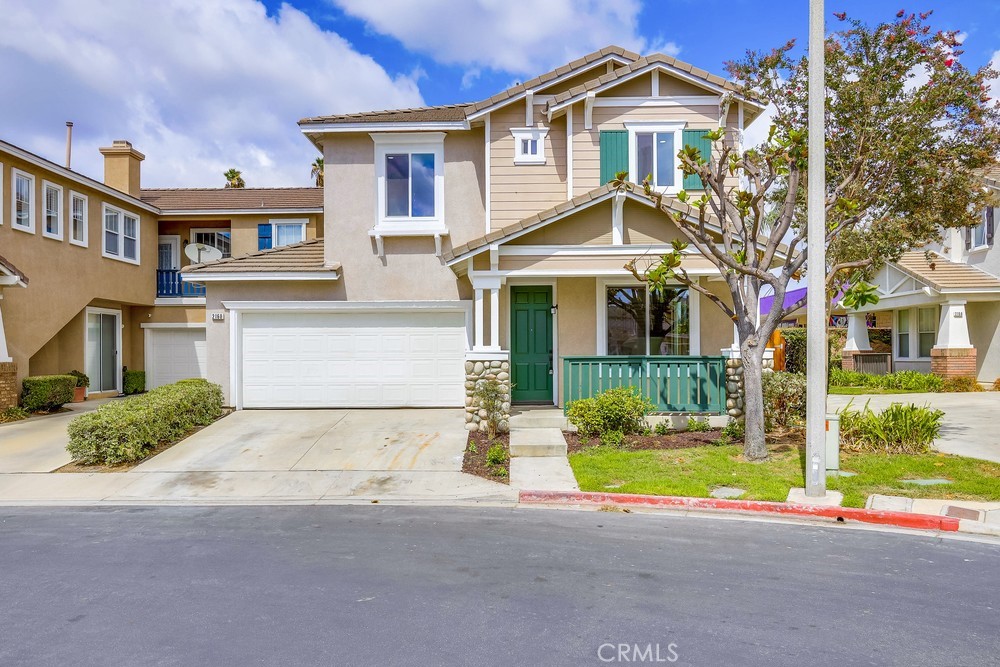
[529, 145]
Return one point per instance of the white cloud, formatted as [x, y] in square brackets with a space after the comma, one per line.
[197, 86]
[516, 36]
[994, 85]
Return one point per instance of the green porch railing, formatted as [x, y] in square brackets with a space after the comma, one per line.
[673, 384]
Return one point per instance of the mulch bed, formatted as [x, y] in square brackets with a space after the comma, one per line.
[125, 467]
[681, 440]
[474, 462]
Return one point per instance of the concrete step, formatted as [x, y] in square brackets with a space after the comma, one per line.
[537, 442]
[540, 418]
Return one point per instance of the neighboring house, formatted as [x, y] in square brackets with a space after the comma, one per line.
[481, 238]
[943, 304]
[88, 273]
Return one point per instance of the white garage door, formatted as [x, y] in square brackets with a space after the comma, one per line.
[358, 359]
[175, 354]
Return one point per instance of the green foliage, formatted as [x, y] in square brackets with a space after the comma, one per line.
[961, 384]
[696, 425]
[125, 430]
[795, 349]
[612, 438]
[490, 395]
[899, 429]
[784, 399]
[496, 455]
[472, 446]
[900, 380]
[46, 393]
[13, 414]
[133, 382]
[859, 295]
[662, 428]
[735, 430]
[234, 178]
[81, 378]
[619, 409]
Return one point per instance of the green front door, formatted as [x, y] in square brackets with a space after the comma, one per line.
[531, 344]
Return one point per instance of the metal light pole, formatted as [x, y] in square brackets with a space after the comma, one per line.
[816, 364]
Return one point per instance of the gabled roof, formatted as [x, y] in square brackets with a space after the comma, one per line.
[305, 257]
[992, 177]
[944, 275]
[250, 199]
[8, 269]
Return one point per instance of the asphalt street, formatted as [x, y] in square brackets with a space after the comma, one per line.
[378, 585]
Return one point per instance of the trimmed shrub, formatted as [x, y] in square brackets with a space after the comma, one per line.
[619, 409]
[13, 414]
[900, 380]
[125, 430]
[133, 382]
[46, 393]
[784, 399]
[81, 378]
[961, 384]
[899, 429]
[795, 349]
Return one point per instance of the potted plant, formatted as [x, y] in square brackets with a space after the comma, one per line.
[82, 382]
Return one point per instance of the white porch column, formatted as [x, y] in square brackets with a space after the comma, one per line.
[857, 333]
[495, 318]
[4, 354]
[480, 323]
[953, 330]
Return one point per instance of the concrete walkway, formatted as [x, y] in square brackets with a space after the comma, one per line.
[970, 425]
[38, 444]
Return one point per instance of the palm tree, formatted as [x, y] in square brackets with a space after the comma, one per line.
[234, 179]
[317, 172]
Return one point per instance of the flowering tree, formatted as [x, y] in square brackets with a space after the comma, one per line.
[909, 133]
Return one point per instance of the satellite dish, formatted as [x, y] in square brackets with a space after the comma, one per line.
[202, 252]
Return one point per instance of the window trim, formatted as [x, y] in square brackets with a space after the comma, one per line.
[105, 207]
[986, 245]
[60, 214]
[694, 315]
[653, 127]
[913, 331]
[211, 230]
[423, 142]
[73, 195]
[530, 134]
[30, 227]
[287, 222]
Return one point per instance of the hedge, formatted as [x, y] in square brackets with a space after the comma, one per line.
[133, 382]
[126, 430]
[46, 393]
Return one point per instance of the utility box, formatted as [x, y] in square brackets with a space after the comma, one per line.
[832, 442]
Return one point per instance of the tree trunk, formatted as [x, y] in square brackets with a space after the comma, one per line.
[754, 444]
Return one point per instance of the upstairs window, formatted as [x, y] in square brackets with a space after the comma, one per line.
[409, 170]
[653, 151]
[52, 225]
[24, 201]
[981, 236]
[529, 145]
[121, 235]
[78, 219]
[222, 239]
[288, 232]
[409, 185]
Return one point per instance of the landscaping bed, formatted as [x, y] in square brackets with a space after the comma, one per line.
[673, 440]
[478, 460]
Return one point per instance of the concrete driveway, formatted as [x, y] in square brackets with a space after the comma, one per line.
[970, 426]
[38, 444]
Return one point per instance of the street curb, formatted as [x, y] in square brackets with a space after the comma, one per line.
[885, 518]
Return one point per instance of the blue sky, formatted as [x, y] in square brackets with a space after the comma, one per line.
[203, 85]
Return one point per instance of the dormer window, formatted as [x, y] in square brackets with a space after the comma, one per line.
[529, 144]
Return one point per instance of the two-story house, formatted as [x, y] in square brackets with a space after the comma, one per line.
[943, 304]
[482, 238]
[89, 270]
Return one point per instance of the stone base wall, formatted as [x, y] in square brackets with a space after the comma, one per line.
[950, 362]
[9, 394]
[480, 368]
[735, 394]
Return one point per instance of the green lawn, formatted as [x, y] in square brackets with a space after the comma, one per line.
[856, 391]
[696, 471]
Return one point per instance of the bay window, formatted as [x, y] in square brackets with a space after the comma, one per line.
[640, 321]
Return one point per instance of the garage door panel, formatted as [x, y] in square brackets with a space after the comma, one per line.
[354, 359]
[176, 354]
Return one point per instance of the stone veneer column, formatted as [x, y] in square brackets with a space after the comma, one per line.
[8, 385]
[735, 394]
[485, 366]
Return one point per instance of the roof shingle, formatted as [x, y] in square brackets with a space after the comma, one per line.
[205, 199]
[12, 270]
[943, 274]
[300, 257]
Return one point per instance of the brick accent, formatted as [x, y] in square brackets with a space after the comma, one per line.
[847, 360]
[9, 386]
[953, 362]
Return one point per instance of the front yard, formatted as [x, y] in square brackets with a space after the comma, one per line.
[696, 471]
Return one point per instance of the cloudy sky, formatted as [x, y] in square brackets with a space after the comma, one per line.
[203, 85]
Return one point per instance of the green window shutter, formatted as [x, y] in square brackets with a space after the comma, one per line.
[697, 139]
[614, 153]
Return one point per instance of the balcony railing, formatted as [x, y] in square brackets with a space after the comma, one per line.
[169, 283]
[673, 384]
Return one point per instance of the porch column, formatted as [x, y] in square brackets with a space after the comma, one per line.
[953, 354]
[480, 323]
[4, 354]
[495, 318]
[8, 371]
[857, 339]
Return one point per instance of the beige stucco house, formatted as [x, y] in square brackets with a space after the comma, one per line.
[482, 238]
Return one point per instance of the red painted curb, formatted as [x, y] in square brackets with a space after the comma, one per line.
[900, 519]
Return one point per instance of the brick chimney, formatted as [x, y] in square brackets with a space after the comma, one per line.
[121, 167]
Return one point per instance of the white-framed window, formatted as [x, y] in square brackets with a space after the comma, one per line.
[22, 201]
[634, 320]
[981, 236]
[529, 144]
[78, 219]
[409, 170]
[52, 221]
[652, 152]
[916, 332]
[121, 235]
[222, 239]
[287, 232]
[903, 334]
